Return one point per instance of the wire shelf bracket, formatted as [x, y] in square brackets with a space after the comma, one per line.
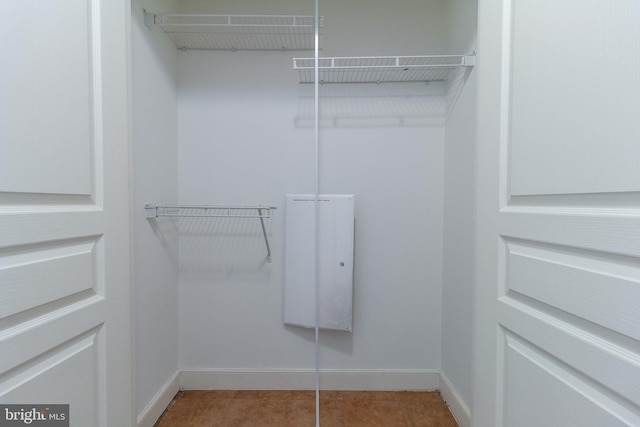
[236, 32]
[381, 69]
[211, 211]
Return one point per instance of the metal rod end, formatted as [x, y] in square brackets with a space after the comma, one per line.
[151, 211]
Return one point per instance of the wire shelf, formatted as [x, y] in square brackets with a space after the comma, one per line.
[237, 32]
[214, 211]
[381, 69]
[208, 211]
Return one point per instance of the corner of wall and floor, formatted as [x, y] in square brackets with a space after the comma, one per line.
[152, 412]
[457, 405]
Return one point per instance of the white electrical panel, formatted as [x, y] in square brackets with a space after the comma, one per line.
[335, 261]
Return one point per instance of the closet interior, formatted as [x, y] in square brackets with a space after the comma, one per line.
[231, 113]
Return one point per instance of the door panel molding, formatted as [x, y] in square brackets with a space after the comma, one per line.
[606, 363]
[584, 284]
[36, 276]
[75, 358]
[572, 398]
[560, 73]
[611, 233]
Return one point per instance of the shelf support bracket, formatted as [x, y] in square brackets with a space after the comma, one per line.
[149, 19]
[264, 233]
[151, 211]
[469, 60]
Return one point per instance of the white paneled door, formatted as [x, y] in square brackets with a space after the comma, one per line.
[557, 335]
[64, 210]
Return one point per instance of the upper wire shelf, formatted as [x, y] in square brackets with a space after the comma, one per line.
[237, 32]
[214, 211]
[381, 69]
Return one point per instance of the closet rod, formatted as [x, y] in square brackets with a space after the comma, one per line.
[213, 211]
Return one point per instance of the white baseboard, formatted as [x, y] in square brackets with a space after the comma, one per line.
[244, 379]
[162, 399]
[457, 406]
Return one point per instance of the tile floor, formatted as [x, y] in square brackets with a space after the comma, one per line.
[297, 409]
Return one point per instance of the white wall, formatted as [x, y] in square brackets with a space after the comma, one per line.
[155, 172]
[459, 214]
[244, 139]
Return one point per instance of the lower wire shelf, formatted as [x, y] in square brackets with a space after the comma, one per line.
[214, 211]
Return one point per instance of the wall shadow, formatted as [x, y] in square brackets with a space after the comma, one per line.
[223, 250]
